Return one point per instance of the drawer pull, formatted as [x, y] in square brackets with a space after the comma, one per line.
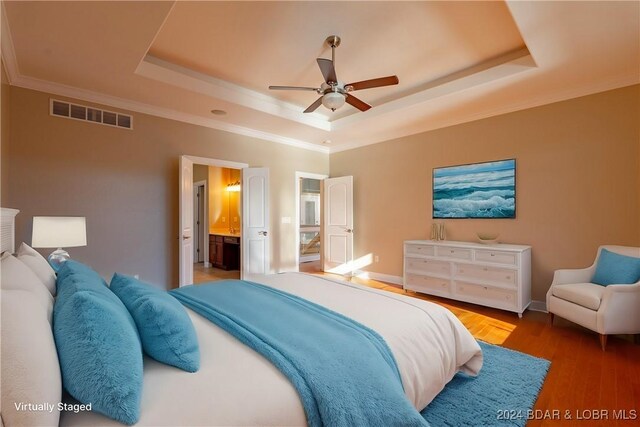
[493, 254]
[485, 288]
[508, 277]
[485, 269]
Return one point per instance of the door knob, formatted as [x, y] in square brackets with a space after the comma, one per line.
[348, 230]
[262, 233]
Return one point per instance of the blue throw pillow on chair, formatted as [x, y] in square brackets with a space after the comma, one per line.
[613, 268]
[165, 328]
[98, 345]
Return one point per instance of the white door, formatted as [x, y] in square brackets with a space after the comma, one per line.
[338, 225]
[185, 219]
[255, 222]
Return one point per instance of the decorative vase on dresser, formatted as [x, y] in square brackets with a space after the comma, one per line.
[496, 276]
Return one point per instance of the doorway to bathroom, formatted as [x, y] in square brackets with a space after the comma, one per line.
[217, 223]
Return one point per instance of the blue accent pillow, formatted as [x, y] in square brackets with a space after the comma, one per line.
[613, 268]
[98, 345]
[74, 276]
[165, 328]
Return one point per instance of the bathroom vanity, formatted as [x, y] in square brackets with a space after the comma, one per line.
[224, 251]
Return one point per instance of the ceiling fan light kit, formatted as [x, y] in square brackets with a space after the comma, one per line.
[334, 92]
[333, 100]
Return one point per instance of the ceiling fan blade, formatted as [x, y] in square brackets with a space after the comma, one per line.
[360, 105]
[327, 70]
[314, 106]
[368, 84]
[293, 88]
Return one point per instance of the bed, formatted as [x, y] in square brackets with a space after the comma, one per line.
[236, 386]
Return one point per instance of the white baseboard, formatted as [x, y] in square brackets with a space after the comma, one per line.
[538, 306]
[396, 280]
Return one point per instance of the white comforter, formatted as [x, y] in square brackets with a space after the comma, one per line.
[236, 386]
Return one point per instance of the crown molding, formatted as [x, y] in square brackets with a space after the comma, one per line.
[6, 46]
[194, 81]
[611, 84]
[497, 68]
[125, 104]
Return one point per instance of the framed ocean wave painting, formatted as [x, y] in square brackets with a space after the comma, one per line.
[478, 190]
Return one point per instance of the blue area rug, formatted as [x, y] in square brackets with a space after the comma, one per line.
[506, 388]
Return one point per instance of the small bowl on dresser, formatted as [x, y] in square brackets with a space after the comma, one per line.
[488, 238]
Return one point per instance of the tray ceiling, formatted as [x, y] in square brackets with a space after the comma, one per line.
[456, 61]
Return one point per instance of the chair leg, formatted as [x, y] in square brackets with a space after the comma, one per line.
[603, 341]
[551, 317]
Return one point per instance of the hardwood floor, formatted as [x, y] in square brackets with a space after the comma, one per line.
[202, 274]
[310, 267]
[583, 381]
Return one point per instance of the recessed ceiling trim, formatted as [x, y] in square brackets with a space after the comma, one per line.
[176, 75]
[125, 104]
[494, 69]
[9, 58]
[603, 86]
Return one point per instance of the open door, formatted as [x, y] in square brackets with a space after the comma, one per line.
[255, 222]
[186, 221]
[338, 225]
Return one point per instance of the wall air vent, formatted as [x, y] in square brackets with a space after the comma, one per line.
[89, 114]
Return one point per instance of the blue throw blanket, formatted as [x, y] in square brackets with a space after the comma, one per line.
[343, 371]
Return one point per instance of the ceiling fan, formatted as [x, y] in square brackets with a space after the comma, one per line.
[334, 92]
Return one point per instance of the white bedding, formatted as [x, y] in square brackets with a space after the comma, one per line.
[236, 386]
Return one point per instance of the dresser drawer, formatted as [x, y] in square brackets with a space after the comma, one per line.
[504, 297]
[428, 284]
[452, 252]
[503, 276]
[498, 257]
[421, 265]
[416, 249]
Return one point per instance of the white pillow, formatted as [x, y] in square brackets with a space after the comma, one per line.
[30, 369]
[38, 265]
[14, 274]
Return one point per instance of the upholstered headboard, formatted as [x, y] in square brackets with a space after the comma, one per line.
[7, 229]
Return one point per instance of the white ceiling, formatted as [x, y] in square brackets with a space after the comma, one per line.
[456, 61]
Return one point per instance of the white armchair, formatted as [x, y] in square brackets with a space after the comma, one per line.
[612, 309]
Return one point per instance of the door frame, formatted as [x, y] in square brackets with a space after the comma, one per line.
[310, 175]
[206, 161]
[205, 226]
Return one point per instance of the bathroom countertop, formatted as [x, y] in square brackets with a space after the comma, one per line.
[225, 233]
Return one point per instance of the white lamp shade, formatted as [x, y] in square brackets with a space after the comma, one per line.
[59, 231]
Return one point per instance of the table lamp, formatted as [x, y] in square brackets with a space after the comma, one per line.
[58, 232]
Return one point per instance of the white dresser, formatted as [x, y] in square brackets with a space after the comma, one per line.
[496, 275]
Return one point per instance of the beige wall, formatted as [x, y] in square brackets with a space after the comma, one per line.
[126, 183]
[578, 182]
